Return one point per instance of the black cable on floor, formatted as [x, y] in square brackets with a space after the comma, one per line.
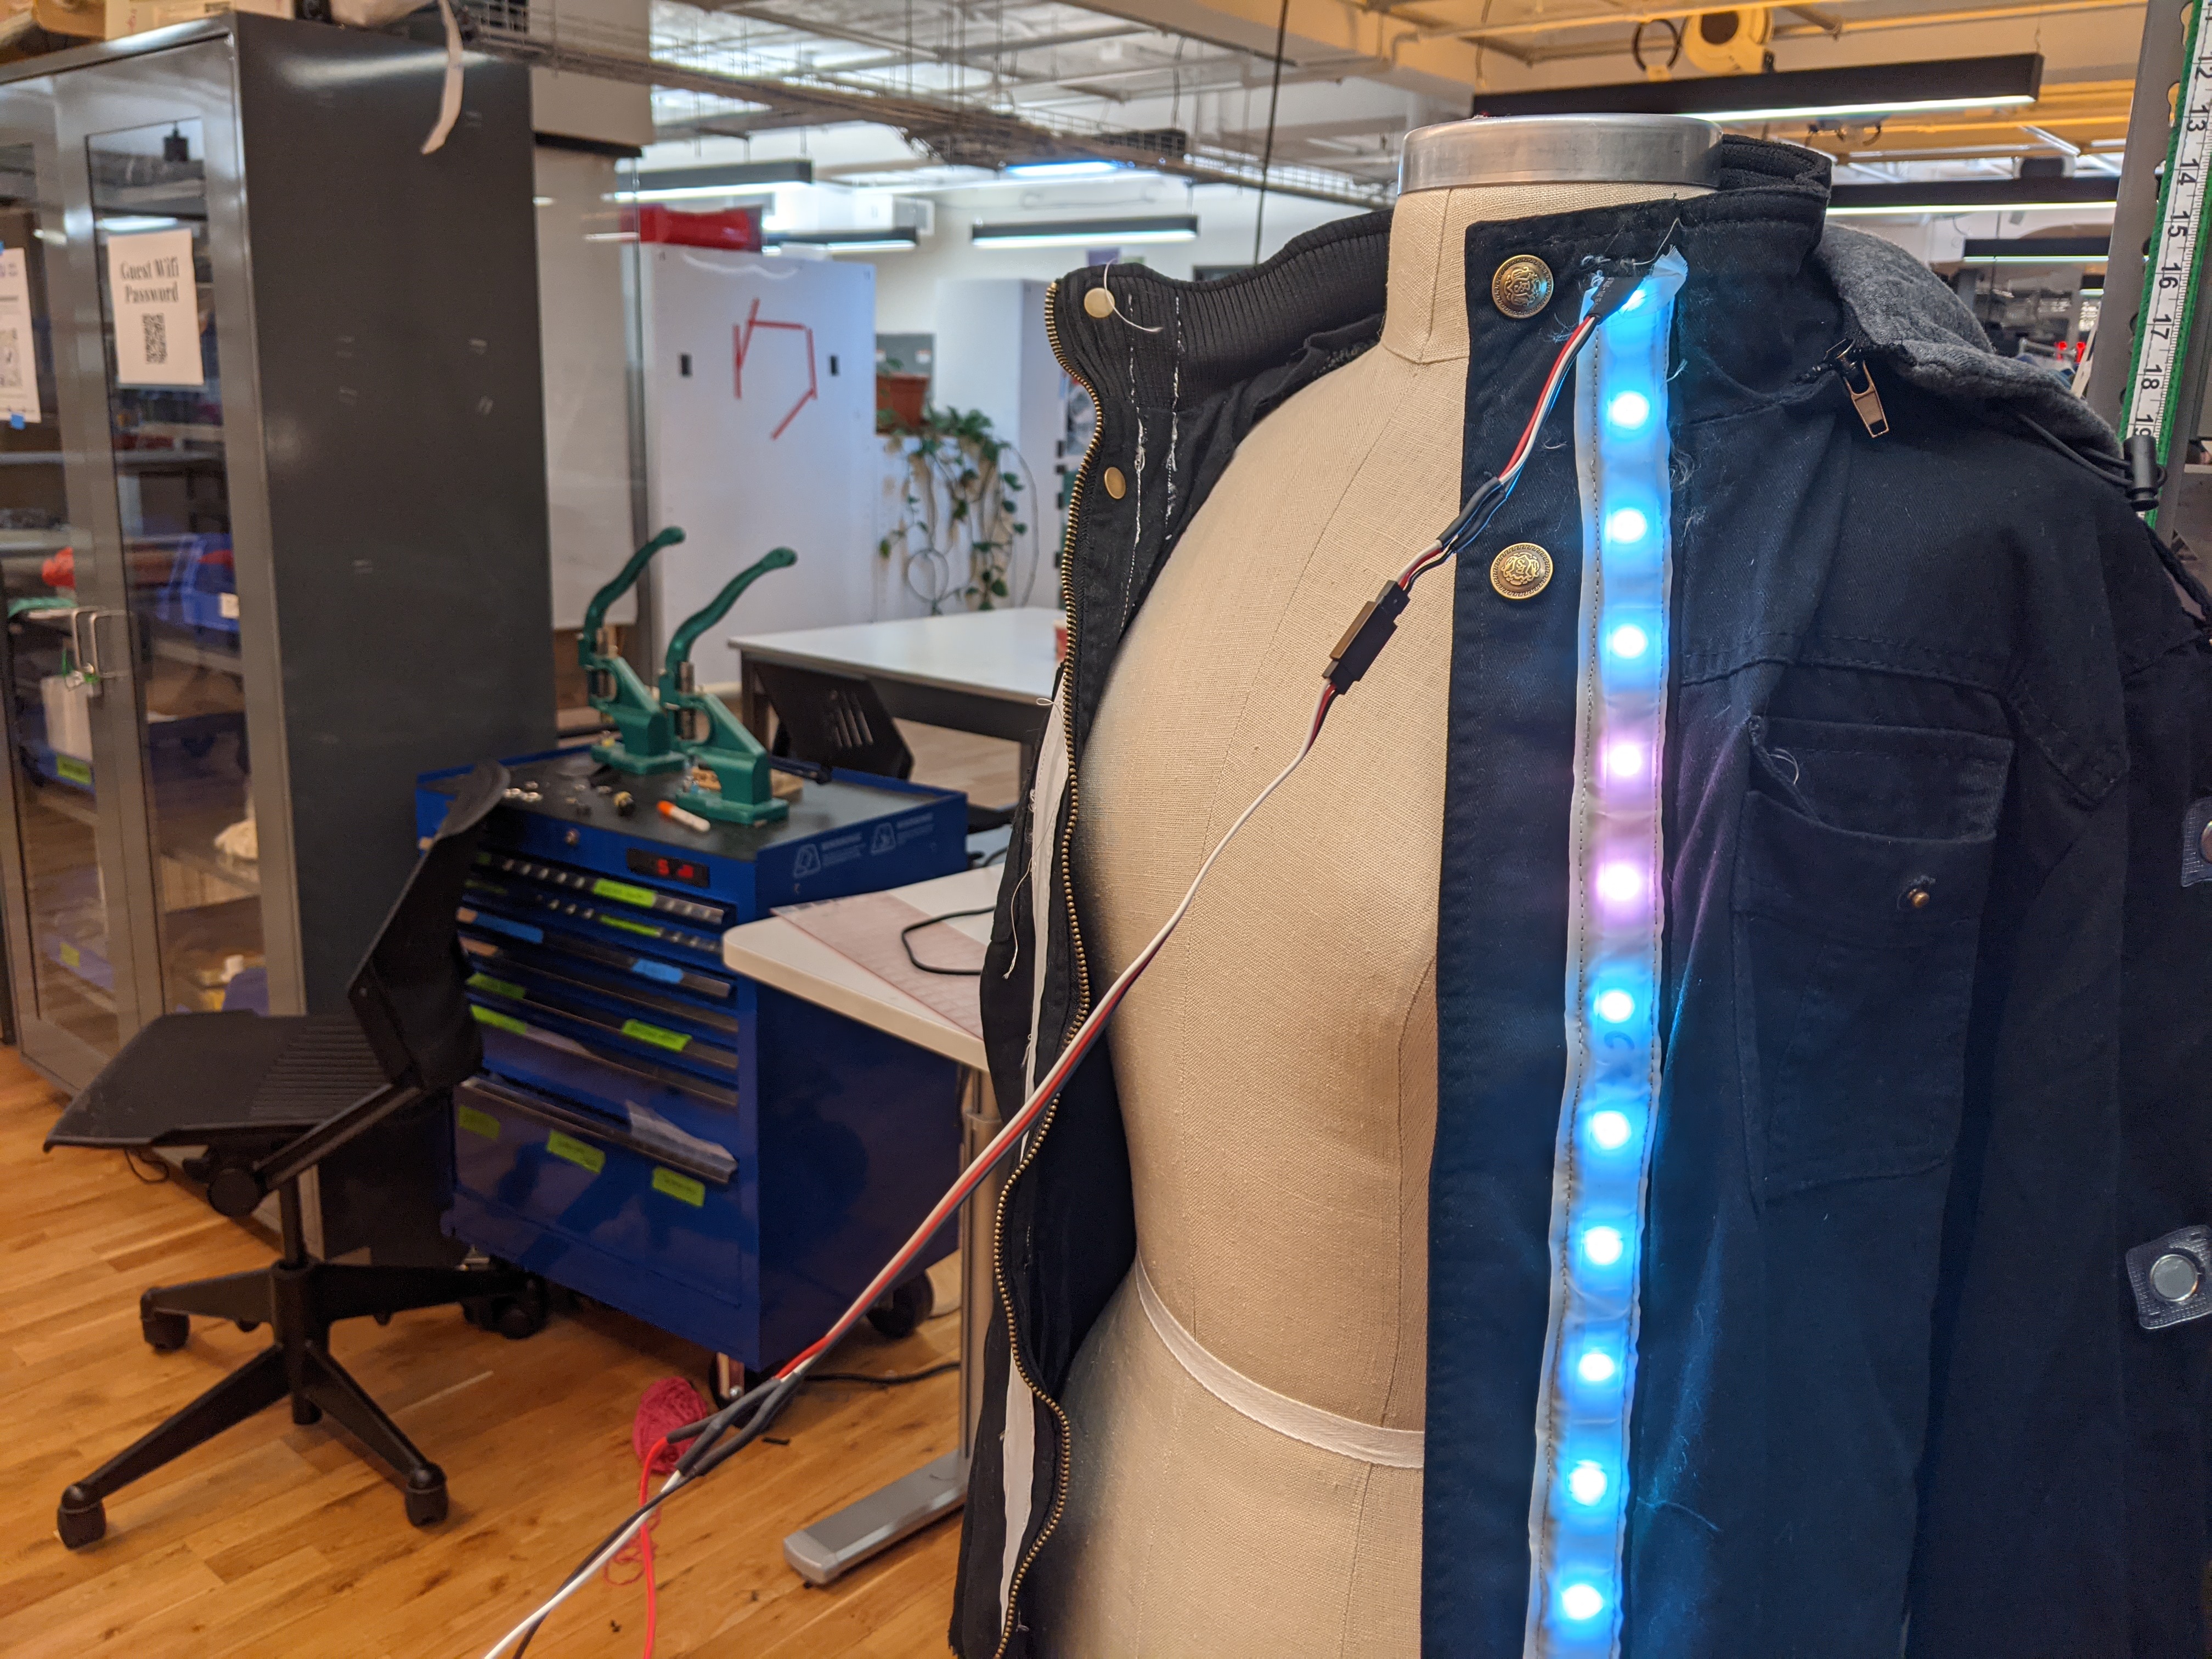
[888, 1379]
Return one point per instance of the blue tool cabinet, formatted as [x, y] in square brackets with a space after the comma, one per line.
[723, 1161]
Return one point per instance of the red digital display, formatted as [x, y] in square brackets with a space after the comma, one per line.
[646, 862]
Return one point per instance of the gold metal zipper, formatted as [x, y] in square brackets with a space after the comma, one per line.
[1082, 987]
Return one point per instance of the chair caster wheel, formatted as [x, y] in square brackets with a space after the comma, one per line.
[901, 1308]
[80, 1520]
[514, 1317]
[426, 1498]
[249, 1326]
[305, 1412]
[164, 1332]
[382, 1318]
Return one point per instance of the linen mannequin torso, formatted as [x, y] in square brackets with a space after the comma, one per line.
[1277, 1066]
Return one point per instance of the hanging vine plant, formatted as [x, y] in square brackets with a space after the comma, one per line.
[957, 513]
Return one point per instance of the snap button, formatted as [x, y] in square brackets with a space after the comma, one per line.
[2175, 1276]
[1521, 571]
[2205, 843]
[1918, 895]
[1099, 302]
[1116, 485]
[1521, 286]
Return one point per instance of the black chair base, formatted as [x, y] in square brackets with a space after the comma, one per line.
[300, 1299]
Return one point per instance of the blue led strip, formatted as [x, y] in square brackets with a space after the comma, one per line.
[1615, 868]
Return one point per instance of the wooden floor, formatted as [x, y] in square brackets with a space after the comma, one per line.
[280, 1541]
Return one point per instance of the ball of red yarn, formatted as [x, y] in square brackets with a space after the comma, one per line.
[668, 1404]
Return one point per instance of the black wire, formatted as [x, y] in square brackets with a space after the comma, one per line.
[2116, 475]
[779, 1392]
[888, 1379]
[1267, 152]
[161, 1169]
[932, 921]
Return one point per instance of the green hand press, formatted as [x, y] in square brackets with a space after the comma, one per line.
[644, 739]
[730, 777]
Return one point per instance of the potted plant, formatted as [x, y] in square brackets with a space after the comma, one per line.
[955, 535]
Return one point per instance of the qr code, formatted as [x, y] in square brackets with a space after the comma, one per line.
[11, 360]
[157, 336]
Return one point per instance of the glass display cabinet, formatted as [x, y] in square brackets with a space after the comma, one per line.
[272, 508]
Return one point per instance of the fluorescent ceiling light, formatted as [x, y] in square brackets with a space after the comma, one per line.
[125, 224]
[2091, 293]
[688, 192]
[1060, 169]
[2037, 250]
[1088, 233]
[1796, 95]
[1974, 196]
[900, 239]
[734, 179]
[1930, 206]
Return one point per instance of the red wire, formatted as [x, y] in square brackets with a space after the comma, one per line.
[1087, 1032]
[645, 1547]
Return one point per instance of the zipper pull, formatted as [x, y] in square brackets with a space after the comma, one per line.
[1845, 358]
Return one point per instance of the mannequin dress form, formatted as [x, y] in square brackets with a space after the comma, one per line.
[1277, 1066]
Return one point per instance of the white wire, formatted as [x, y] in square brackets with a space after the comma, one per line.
[590, 1571]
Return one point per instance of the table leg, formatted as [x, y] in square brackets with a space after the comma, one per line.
[832, 1547]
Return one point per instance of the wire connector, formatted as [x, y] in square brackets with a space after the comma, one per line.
[1363, 641]
[2145, 477]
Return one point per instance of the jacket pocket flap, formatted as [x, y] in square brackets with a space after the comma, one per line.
[1847, 884]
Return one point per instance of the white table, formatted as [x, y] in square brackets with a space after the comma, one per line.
[989, 671]
[777, 953]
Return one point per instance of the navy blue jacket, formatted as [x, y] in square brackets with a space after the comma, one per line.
[1936, 1003]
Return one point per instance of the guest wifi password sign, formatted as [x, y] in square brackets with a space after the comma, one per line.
[156, 300]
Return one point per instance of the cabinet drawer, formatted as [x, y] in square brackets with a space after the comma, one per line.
[552, 1175]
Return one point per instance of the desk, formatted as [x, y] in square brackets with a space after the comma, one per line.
[987, 672]
[775, 952]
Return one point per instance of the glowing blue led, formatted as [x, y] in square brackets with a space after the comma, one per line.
[1596, 1367]
[1603, 1246]
[1635, 301]
[1587, 1484]
[1616, 1007]
[1609, 1130]
[1628, 642]
[1582, 1601]
[1625, 526]
[1629, 410]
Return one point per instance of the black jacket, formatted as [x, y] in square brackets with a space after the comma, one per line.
[1892, 1393]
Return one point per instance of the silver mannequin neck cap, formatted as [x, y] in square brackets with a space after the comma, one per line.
[1541, 149]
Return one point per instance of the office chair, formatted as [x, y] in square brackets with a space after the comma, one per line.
[268, 1098]
[838, 720]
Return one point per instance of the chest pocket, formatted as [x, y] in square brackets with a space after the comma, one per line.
[1861, 872]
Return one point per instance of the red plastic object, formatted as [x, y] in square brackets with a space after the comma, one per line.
[735, 229]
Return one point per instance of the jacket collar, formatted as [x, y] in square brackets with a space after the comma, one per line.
[1322, 297]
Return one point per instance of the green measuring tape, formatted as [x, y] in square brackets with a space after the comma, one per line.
[2176, 267]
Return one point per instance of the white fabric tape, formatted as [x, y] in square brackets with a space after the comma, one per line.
[1368, 1442]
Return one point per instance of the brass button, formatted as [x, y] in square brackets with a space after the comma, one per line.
[1116, 485]
[1099, 302]
[1521, 286]
[1521, 571]
[1918, 896]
